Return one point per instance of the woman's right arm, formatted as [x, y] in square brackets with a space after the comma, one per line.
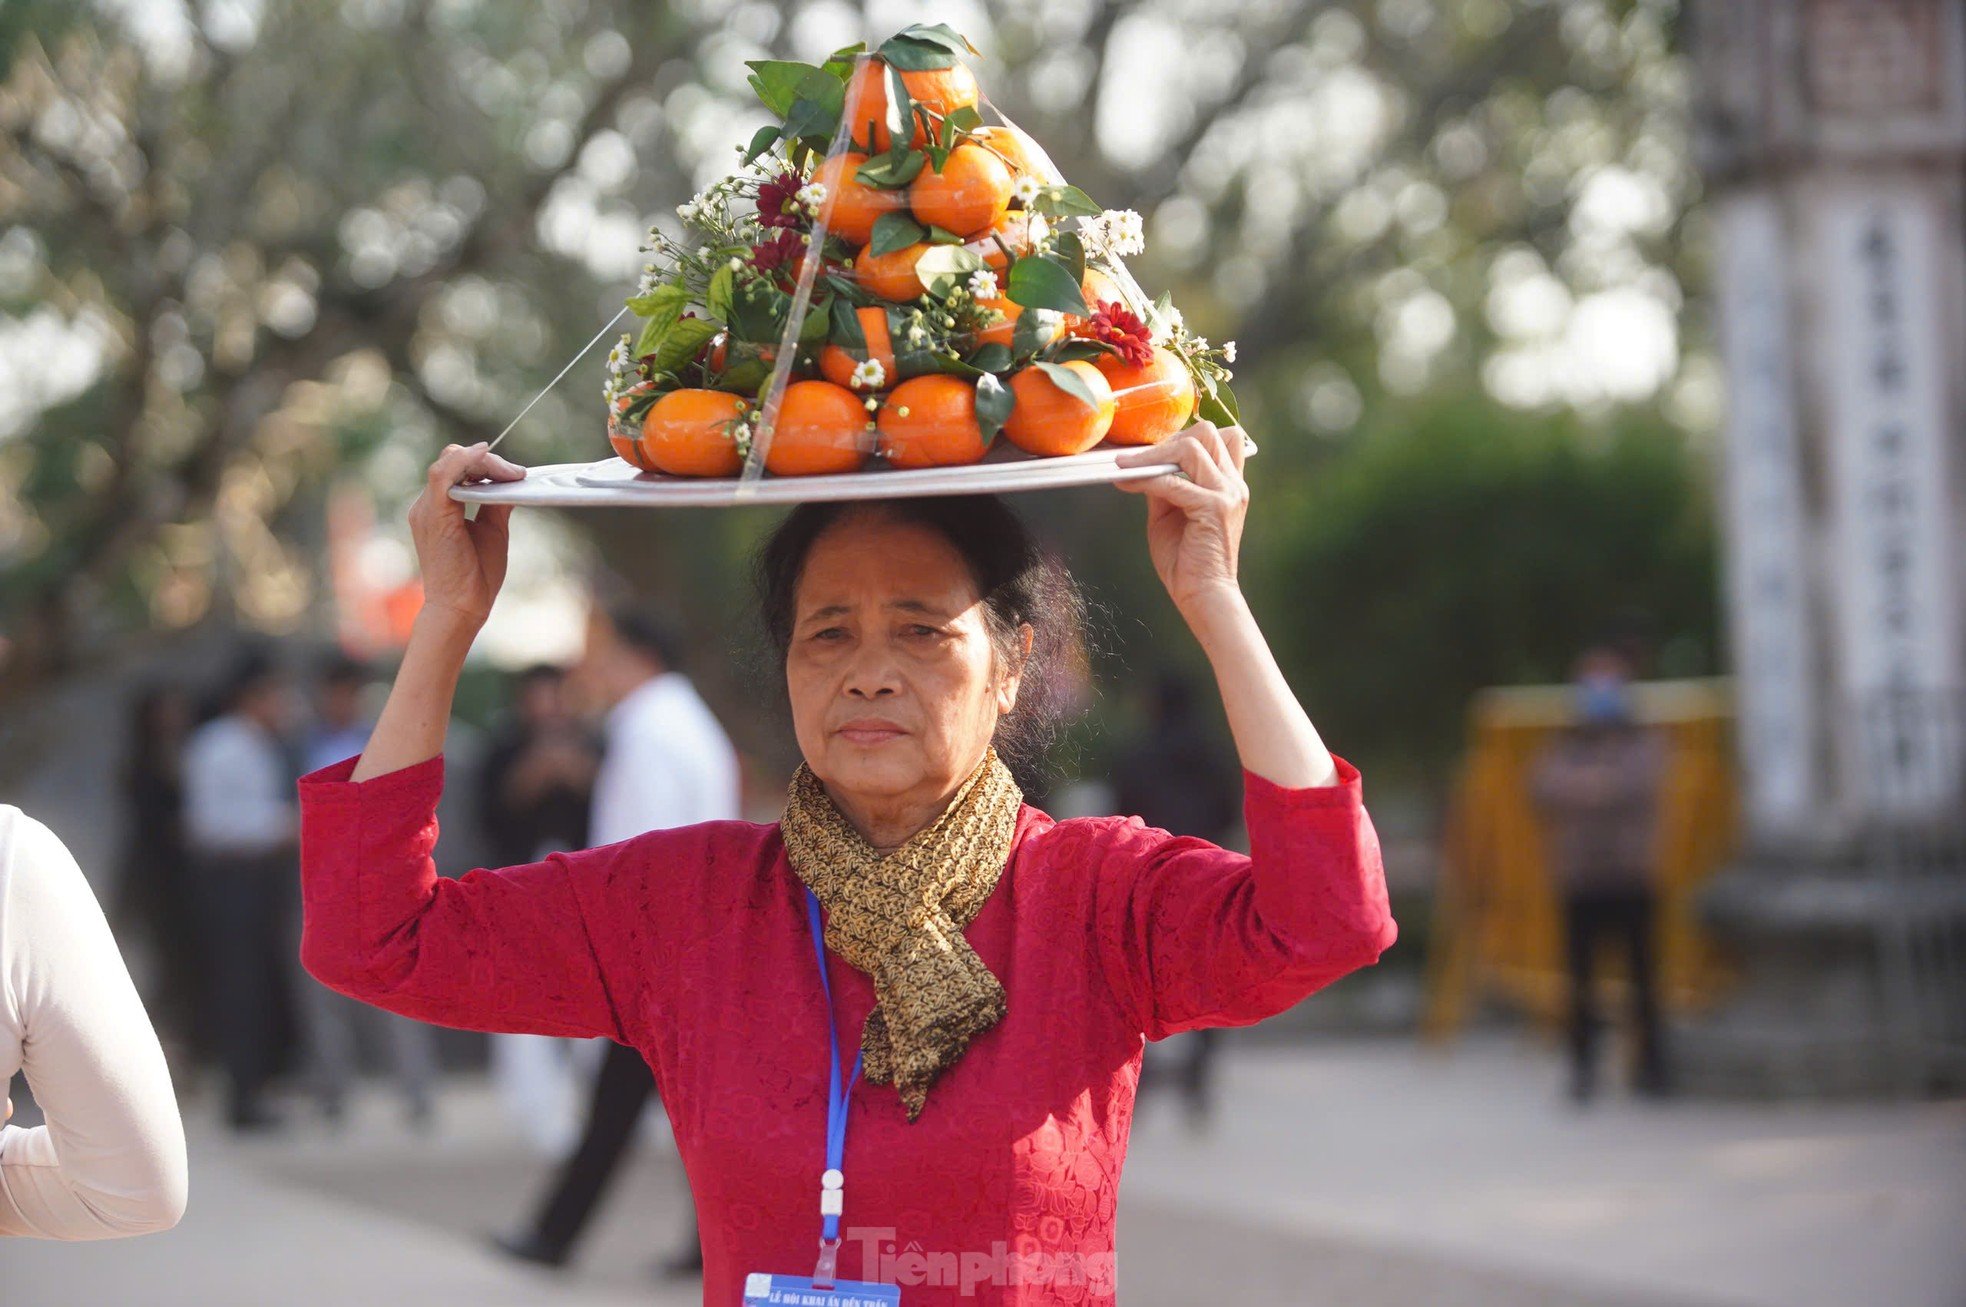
[505, 950]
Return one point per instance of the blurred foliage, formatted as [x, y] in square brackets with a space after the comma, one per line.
[319, 242]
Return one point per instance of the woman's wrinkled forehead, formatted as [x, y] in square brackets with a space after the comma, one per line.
[871, 559]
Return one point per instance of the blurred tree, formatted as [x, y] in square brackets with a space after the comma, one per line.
[293, 240]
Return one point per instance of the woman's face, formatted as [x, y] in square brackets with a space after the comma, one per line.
[895, 688]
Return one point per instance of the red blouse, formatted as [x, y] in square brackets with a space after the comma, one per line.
[692, 945]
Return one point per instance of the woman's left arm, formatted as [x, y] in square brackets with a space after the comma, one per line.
[1194, 532]
[1192, 935]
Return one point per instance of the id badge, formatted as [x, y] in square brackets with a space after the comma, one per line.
[796, 1291]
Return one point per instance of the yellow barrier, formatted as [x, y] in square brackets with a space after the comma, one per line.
[1497, 934]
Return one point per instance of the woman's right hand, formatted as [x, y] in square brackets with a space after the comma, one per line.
[462, 559]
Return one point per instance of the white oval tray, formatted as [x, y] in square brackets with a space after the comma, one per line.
[612, 483]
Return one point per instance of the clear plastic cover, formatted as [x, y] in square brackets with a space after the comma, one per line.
[896, 277]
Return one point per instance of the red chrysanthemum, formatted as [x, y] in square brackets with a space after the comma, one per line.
[781, 251]
[778, 201]
[1116, 325]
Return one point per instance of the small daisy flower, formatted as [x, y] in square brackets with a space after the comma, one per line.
[1229, 351]
[983, 284]
[736, 263]
[649, 279]
[812, 195]
[1028, 189]
[688, 210]
[869, 375]
[1124, 231]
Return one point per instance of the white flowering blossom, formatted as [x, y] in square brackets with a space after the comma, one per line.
[650, 279]
[869, 375]
[812, 195]
[688, 210]
[983, 284]
[1048, 318]
[1229, 351]
[621, 362]
[1028, 189]
[1125, 232]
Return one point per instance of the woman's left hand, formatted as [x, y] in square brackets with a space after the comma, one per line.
[1195, 516]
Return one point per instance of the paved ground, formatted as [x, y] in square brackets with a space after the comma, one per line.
[1355, 1174]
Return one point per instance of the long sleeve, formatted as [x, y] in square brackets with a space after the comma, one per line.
[236, 796]
[111, 1159]
[507, 950]
[1192, 935]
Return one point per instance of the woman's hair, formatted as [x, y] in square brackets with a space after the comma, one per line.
[1019, 583]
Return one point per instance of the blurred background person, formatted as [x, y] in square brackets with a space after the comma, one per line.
[110, 1158]
[535, 788]
[1177, 777]
[666, 763]
[330, 1023]
[240, 822]
[153, 906]
[1597, 787]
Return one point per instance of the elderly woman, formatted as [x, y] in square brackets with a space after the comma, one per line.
[996, 969]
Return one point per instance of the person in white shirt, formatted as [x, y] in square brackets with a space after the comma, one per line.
[666, 762]
[110, 1160]
[240, 823]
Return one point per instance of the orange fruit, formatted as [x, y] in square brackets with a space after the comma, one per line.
[851, 206]
[1097, 288]
[821, 428]
[1000, 333]
[688, 433]
[892, 275]
[837, 363]
[1154, 399]
[1016, 230]
[1048, 420]
[1019, 152]
[941, 90]
[930, 421]
[624, 435]
[971, 194]
[720, 351]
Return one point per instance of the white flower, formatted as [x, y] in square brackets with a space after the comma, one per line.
[812, 195]
[1229, 351]
[649, 279]
[983, 284]
[736, 263]
[1124, 231]
[1028, 189]
[687, 211]
[1048, 318]
[869, 375]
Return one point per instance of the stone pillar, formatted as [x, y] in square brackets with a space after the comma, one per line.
[1833, 137]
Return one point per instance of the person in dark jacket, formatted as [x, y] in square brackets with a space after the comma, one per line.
[1597, 787]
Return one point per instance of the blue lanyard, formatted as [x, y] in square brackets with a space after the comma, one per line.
[836, 1096]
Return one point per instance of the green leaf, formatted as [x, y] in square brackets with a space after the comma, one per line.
[812, 328]
[1070, 382]
[778, 82]
[938, 34]
[964, 118]
[840, 63]
[1065, 201]
[717, 296]
[941, 268]
[1027, 336]
[895, 231]
[1040, 282]
[809, 120]
[994, 402]
[900, 107]
[668, 298]
[906, 52]
[991, 357]
[1067, 246]
[680, 345]
[1087, 350]
[762, 140]
[942, 236]
[846, 332]
[1218, 404]
[893, 170]
[955, 365]
[745, 375]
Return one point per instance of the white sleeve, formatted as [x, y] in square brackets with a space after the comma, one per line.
[111, 1160]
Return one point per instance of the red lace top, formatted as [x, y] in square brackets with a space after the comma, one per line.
[692, 945]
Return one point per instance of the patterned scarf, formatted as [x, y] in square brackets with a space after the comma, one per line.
[899, 919]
